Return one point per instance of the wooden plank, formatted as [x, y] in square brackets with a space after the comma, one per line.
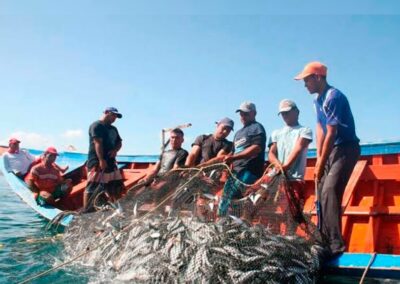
[372, 211]
[351, 185]
[377, 160]
[382, 172]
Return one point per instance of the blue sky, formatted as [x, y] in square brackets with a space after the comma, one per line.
[165, 63]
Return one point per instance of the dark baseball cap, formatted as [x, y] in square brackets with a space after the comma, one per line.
[114, 111]
[226, 121]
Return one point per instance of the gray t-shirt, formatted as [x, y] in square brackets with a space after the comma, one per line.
[252, 134]
[170, 158]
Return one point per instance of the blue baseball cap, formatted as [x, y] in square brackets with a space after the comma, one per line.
[114, 111]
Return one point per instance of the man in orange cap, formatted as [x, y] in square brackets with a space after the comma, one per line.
[337, 150]
[45, 180]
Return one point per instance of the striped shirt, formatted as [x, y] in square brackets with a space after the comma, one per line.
[44, 178]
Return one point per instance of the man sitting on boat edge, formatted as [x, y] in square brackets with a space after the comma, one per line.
[45, 180]
[20, 161]
[171, 159]
[156, 184]
[16, 160]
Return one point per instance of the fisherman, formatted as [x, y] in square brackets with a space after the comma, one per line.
[45, 180]
[157, 187]
[170, 159]
[104, 144]
[19, 161]
[288, 153]
[209, 149]
[16, 160]
[248, 155]
[337, 150]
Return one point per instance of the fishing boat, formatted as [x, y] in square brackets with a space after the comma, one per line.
[371, 205]
[133, 169]
[371, 213]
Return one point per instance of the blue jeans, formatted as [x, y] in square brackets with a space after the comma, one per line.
[233, 189]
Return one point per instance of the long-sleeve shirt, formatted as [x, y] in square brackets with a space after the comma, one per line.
[18, 162]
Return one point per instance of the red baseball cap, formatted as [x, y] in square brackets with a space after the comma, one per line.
[51, 150]
[311, 68]
[13, 141]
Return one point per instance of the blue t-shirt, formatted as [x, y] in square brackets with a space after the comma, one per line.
[333, 108]
[286, 139]
[252, 134]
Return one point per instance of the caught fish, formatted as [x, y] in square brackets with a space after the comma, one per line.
[173, 245]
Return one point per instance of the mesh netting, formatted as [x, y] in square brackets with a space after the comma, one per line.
[171, 232]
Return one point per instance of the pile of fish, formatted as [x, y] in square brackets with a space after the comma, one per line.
[161, 249]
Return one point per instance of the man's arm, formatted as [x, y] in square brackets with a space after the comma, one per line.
[7, 165]
[273, 156]
[61, 169]
[180, 160]
[113, 153]
[152, 173]
[301, 144]
[30, 157]
[320, 135]
[217, 159]
[98, 146]
[31, 185]
[194, 154]
[249, 152]
[326, 149]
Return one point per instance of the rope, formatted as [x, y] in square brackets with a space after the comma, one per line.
[368, 267]
[231, 174]
[57, 267]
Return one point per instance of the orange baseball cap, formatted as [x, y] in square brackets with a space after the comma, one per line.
[13, 141]
[51, 150]
[311, 68]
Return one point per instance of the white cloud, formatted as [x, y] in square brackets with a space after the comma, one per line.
[69, 140]
[72, 134]
[30, 140]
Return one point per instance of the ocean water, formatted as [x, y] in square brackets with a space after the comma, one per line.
[27, 248]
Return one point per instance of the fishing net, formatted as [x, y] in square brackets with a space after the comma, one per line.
[171, 232]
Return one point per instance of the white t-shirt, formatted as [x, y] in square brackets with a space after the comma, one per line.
[18, 162]
[285, 139]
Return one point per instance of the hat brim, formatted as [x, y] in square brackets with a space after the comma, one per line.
[224, 124]
[242, 110]
[302, 75]
[286, 109]
[228, 126]
[117, 114]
